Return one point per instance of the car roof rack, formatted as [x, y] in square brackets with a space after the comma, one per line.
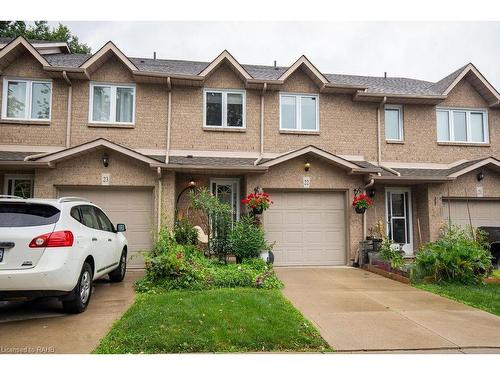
[11, 197]
[72, 199]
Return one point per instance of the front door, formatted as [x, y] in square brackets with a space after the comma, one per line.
[227, 191]
[398, 213]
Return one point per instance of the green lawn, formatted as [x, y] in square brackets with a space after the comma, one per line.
[219, 320]
[484, 297]
[496, 274]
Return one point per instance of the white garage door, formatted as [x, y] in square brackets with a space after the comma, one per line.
[132, 207]
[482, 213]
[308, 228]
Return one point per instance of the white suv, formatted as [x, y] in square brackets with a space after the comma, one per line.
[57, 247]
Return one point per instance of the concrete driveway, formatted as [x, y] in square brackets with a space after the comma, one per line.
[357, 310]
[42, 327]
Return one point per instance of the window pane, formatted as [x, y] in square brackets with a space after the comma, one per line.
[288, 112]
[392, 124]
[398, 204]
[235, 110]
[124, 104]
[477, 127]
[40, 100]
[214, 109]
[443, 129]
[104, 223]
[16, 100]
[399, 230]
[459, 126]
[27, 215]
[88, 217]
[102, 104]
[308, 113]
[22, 188]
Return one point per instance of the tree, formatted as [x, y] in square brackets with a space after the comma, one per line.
[40, 30]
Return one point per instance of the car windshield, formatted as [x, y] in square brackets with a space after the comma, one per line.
[27, 214]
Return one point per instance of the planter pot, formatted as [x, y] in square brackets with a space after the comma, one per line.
[267, 256]
[257, 211]
[359, 210]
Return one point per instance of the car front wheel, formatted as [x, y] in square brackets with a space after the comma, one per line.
[78, 299]
[118, 274]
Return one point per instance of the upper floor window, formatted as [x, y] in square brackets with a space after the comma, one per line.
[224, 108]
[299, 112]
[462, 125]
[393, 123]
[114, 104]
[26, 99]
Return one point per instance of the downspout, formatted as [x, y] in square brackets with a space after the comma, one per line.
[261, 154]
[368, 185]
[70, 105]
[158, 218]
[379, 141]
[169, 118]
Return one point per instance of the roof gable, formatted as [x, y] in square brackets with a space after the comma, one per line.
[225, 56]
[90, 146]
[470, 166]
[309, 68]
[101, 56]
[16, 48]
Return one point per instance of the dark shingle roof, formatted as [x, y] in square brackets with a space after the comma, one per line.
[5, 40]
[14, 155]
[212, 161]
[429, 172]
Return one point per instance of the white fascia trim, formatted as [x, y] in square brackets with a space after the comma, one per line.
[303, 61]
[390, 164]
[475, 166]
[354, 158]
[473, 69]
[225, 55]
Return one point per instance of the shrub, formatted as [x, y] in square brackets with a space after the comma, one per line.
[391, 253]
[247, 239]
[457, 256]
[185, 233]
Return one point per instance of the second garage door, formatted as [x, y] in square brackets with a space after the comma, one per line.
[132, 207]
[482, 213]
[308, 228]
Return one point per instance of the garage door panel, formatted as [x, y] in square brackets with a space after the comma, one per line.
[130, 206]
[482, 213]
[308, 228]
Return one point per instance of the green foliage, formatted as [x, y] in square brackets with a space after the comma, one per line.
[246, 239]
[457, 256]
[185, 233]
[40, 30]
[173, 266]
[391, 253]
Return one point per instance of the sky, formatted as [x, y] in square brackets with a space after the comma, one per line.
[421, 50]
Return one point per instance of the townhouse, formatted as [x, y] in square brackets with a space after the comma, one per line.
[135, 134]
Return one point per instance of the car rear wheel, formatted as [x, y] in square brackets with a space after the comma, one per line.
[118, 274]
[78, 299]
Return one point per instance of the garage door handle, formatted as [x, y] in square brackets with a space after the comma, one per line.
[94, 239]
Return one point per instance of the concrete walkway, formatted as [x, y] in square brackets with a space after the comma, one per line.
[42, 327]
[357, 310]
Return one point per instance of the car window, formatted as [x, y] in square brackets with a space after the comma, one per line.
[104, 222]
[88, 217]
[75, 214]
[27, 214]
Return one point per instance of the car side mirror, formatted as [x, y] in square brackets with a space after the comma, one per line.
[121, 228]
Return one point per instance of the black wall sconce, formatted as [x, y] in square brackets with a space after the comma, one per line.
[480, 176]
[105, 160]
[307, 166]
[371, 193]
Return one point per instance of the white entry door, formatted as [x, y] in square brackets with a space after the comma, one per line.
[398, 214]
[227, 190]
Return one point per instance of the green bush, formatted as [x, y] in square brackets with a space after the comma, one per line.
[185, 233]
[457, 256]
[173, 266]
[391, 253]
[246, 239]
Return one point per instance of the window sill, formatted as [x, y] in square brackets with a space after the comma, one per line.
[299, 132]
[394, 142]
[24, 122]
[224, 129]
[464, 144]
[111, 125]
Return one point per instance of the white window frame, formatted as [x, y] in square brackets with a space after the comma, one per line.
[399, 108]
[112, 111]
[468, 112]
[28, 99]
[14, 177]
[224, 93]
[298, 112]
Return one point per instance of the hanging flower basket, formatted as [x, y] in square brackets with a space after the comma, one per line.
[361, 202]
[257, 203]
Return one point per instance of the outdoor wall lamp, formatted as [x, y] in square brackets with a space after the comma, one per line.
[480, 176]
[307, 166]
[192, 183]
[105, 160]
[371, 193]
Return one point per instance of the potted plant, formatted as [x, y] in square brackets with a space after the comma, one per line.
[361, 202]
[257, 202]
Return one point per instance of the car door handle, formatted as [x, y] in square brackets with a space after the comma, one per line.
[109, 239]
[94, 239]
